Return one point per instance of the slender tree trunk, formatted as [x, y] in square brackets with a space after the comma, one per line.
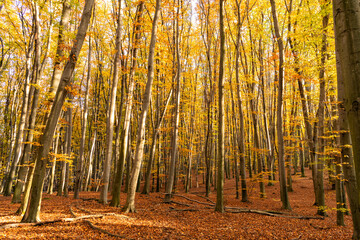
[319, 181]
[155, 136]
[18, 146]
[128, 110]
[140, 141]
[41, 156]
[219, 207]
[90, 162]
[80, 161]
[37, 71]
[174, 142]
[58, 65]
[279, 123]
[53, 166]
[68, 136]
[111, 113]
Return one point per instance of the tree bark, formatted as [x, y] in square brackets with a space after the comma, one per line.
[128, 110]
[80, 161]
[347, 34]
[111, 114]
[155, 136]
[174, 141]
[279, 112]
[219, 207]
[33, 209]
[140, 141]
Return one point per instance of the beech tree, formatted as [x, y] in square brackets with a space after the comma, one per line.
[33, 209]
[221, 121]
[346, 24]
[279, 111]
[130, 200]
[234, 89]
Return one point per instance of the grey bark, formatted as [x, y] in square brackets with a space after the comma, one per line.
[128, 110]
[140, 141]
[174, 142]
[347, 34]
[219, 207]
[41, 156]
[279, 112]
[111, 112]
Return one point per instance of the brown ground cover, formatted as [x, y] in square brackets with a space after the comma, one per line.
[183, 219]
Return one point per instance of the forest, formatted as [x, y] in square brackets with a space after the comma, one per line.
[179, 119]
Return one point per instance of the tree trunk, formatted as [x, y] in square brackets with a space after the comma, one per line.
[155, 136]
[37, 71]
[279, 112]
[111, 114]
[219, 207]
[174, 142]
[53, 166]
[140, 141]
[128, 110]
[33, 209]
[319, 181]
[79, 164]
[58, 64]
[18, 146]
[347, 35]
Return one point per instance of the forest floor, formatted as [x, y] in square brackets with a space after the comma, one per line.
[183, 219]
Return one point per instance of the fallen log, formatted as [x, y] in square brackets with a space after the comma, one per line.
[273, 214]
[246, 210]
[98, 228]
[13, 225]
[184, 210]
[104, 231]
[206, 198]
[193, 200]
[180, 203]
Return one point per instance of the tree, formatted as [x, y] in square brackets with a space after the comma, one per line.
[128, 109]
[279, 112]
[347, 35]
[174, 141]
[111, 111]
[33, 209]
[219, 207]
[140, 140]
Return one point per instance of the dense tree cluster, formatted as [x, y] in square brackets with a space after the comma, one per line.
[115, 96]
